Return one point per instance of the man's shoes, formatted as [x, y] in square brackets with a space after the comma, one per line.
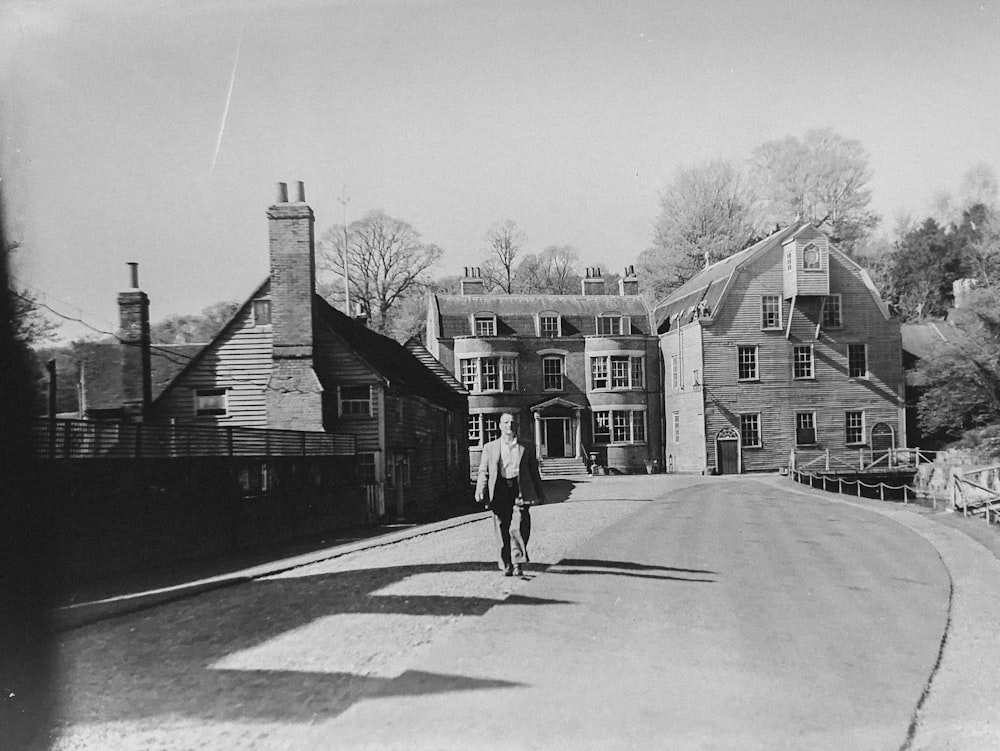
[517, 571]
[509, 570]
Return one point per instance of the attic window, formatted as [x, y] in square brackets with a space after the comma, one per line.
[484, 324]
[549, 325]
[812, 259]
[610, 324]
[262, 312]
[355, 400]
[210, 402]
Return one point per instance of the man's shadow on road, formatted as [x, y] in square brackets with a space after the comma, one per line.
[159, 662]
[592, 566]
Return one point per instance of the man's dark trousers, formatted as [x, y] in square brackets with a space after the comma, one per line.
[511, 522]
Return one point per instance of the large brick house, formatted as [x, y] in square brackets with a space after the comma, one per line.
[289, 360]
[783, 346]
[582, 371]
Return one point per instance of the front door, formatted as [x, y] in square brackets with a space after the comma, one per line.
[727, 452]
[554, 437]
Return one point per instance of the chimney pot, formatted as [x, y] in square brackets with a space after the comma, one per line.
[300, 191]
[282, 193]
[133, 274]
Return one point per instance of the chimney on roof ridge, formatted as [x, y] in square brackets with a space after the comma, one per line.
[472, 281]
[592, 283]
[133, 318]
[629, 283]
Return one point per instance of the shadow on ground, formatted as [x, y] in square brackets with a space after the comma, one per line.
[587, 566]
[159, 663]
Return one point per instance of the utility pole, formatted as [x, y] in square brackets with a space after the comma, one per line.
[344, 200]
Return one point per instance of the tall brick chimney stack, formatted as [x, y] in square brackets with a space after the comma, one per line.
[472, 281]
[629, 284]
[294, 395]
[133, 318]
[593, 282]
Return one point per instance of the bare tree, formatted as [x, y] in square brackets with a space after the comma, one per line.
[386, 262]
[553, 271]
[503, 244]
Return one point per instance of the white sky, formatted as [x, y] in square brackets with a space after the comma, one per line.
[567, 117]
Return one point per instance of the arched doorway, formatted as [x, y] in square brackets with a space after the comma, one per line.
[883, 440]
[727, 452]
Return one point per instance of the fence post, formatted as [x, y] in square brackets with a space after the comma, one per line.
[861, 459]
[840, 485]
[859, 486]
[826, 454]
[881, 491]
[906, 492]
[67, 437]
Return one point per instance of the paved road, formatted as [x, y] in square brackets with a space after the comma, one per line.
[686, 613]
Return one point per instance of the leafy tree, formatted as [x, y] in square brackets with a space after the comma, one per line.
[191, 328]
[926, 262]
[705, 215]
[504, 242]
[822, 179]
[386, 261]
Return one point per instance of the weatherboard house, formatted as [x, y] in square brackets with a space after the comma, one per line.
[785, 346]
[288, 360]
[581, 371]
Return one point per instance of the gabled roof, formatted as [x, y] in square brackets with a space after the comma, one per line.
[388, 358]
[710, 285]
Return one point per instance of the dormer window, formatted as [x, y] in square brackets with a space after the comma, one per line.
[612, 324]
[549, 325]
[484, 324]
[812, 259]
[262, 312]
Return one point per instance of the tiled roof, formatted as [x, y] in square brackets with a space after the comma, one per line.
[102, 371]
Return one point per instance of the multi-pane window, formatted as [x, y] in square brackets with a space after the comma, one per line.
[677, 427]
[548, 324]
[802, 361]
[770, 312]
[857, 360]
[750, 430]
[489, 374]
[210, 402]
[832, 312]
[675, 371]
[805, 428]
[619, 426]
[812, 260]
[485, 324]
[366, 469]
[610, 325]
[262, 312]
[747, 365]
[355, 400]
[552, 373]
[854, 427]
[483, 429]
[616, 372]
[789, 259]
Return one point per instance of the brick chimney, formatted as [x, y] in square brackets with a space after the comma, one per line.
[294, 396]
[593, 282]
[629, 284]
[472, 281]
[133, 317]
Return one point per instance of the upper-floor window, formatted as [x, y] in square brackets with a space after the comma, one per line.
[677, 427]
[675, 371]
[770, 312]
[354, 400]
[262, 312]
[616, 372]
[805, 428]
[789, 259]
[812, 259]
[750, 430]
[612, 324]
[484, 324]
[211, 402]
[549, 325]
[854, 427]
[481, 374]
[552, 373]
[857, 360]
[802, 361]
[832, 312]
[747, 366]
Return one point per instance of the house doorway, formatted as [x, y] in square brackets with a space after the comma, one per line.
[555, 438]
[727, 452]
[883, 440]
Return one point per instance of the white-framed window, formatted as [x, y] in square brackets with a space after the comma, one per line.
[832, 312]
[770, 312]
[857, 360]
[549, 325]
[747, 363]
[481, 374]
[611, 324]
[854, 427]
[483, 428]
[802, 361]
[475, 430]
[805, 428]
[675, 372]
[617, 426]
[354, 400]
[750, 430]
[484, 324]
[262, 312]
[812, 258]
[617, 372]
[552, 373]
[677, 427]
[211, 402]
[789, 259]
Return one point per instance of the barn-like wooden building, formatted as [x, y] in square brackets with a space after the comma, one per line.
[783, 346]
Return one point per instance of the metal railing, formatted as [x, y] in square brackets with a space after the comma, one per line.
[93, 439]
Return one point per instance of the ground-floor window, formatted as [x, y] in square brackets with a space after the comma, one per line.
[619, 426]
[805, 428]
[483, 428]
[750, 430]
[854, 427]
[366, 469]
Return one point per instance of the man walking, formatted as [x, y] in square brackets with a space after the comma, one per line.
[508, 473]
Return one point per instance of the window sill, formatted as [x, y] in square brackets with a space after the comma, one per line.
[803, 378]
[748, 380]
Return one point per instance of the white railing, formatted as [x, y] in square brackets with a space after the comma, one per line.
[977, 492]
